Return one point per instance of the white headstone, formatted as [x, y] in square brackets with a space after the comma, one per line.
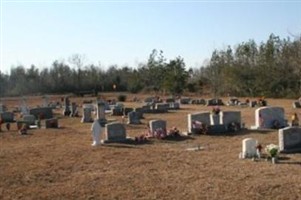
[203, 117]
[45, 101]
[96, 131]
[249, 148]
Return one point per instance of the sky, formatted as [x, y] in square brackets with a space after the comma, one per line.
[125, 32]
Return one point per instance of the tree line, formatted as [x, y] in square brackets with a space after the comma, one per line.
[270, 69]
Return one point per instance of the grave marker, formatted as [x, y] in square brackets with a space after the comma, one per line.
[290, 140]
[249, 148]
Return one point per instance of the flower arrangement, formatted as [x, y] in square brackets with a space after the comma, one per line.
[216, 110]
[272, 150]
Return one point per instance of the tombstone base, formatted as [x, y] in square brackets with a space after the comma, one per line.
[216, 129]
[126, 140]
[298, 150]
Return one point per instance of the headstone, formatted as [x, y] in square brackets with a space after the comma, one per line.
[185, 100]
[100, 115]
[133, 118]
[96, 131]
[127, 110]
[162, 107]
[290, 140]
[203, 117]
[215, 102]
[115, 132]
[23, 107]
[253, 103]
[30, 119]
[149, 100]
[66, 111]
[139, 112]
[229, 117]
[51, 123]
[296, 104]
[45, 101]
[41, 113]
[269, 117]
[7, 117]
[117, 111]
[249, 148]
[174, 106]
[170, 100]
[156, 124]
[216, 119]
[74, 111]
[2, 108]
[87, 114]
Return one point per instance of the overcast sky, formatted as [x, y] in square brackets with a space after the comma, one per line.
[125, 32]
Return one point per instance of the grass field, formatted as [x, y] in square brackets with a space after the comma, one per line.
[61, 164]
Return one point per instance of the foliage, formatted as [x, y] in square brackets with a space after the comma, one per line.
[272, 150]
[271, 69]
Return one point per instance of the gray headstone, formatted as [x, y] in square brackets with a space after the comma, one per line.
[290, 140]
[127, 110]
[162, 107]
[156, 124]
[2, 108]
[100, 109]
[265, 117]
[249, 148]
[74, 110]
[140, 112]
[66, 111]
[231, 116]
[30, 119]
[170, 100]
[216, 119]
[185, 100]
[42, 113]
[51, 123]
[7, 116]
[87, 114]
[115, 132]
[133, 118]
[117, 111]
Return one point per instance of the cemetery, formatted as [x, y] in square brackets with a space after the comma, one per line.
[99, 148]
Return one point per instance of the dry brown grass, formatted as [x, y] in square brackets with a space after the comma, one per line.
[61, 164]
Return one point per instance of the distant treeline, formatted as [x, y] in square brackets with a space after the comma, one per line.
[270, 69]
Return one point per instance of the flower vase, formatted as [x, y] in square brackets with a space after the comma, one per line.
[274, 160]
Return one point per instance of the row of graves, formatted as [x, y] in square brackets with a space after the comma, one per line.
[39, 117]
[215, 122]
[289, 142]
[233, 101]
[115, 132]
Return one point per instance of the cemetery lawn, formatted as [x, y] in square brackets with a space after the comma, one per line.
[62, 164]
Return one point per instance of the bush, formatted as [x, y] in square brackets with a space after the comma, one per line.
[122, 97]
